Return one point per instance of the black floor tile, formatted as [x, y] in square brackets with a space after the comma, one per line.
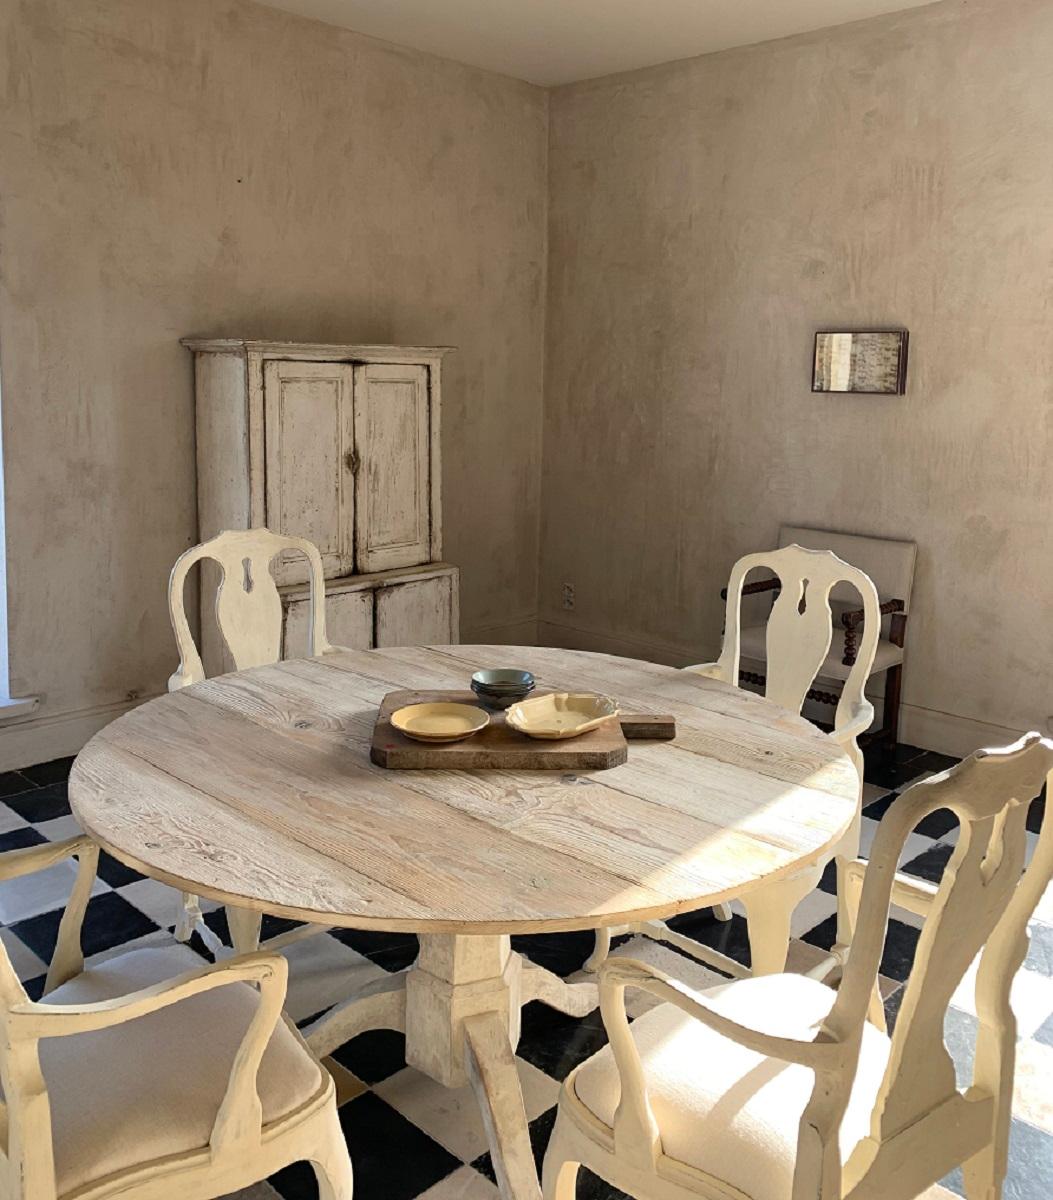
[14, 782]
[937, 824]
[35, 987]
[540, 1132]
[555, 1043]
[41, 804]
[298, 1182]
[373, 1056]
[110, 921]
[19, 839]
[892, 769]
[729, 937]
[393, 1159]
[115, 873]
[56, 771]
[392, 951]
[930, 864]
[1036, 812]
[901, 941]
[563, 953]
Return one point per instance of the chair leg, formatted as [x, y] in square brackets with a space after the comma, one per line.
[722, 912]
[890, 716]
[559, 1175]
[600, 951]
[332, 1166]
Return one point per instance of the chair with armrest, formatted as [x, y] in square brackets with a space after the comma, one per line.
[797, 642]
[152, 1075]
[249, 617]
[890, 565]
[779, 1087]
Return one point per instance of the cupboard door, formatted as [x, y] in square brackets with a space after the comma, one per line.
[393, 483]
[348, 622]
[310, 442]
[419, 613]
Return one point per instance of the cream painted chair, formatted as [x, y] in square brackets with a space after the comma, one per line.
[249, 617]
[152, 1076]
[798, 636]
[779, 1088]
[890, 565]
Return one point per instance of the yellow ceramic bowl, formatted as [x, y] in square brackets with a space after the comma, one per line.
[561, 715]
[439, 722]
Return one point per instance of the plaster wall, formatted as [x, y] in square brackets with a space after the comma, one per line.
[217, 167]
[706, 217]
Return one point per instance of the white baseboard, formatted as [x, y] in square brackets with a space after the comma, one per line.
[522, 632]
[55, 735]
[947, 733]
[571, 637]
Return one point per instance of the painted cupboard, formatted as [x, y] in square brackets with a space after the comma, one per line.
[339, 444]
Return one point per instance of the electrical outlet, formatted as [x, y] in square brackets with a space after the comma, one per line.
[568, 595]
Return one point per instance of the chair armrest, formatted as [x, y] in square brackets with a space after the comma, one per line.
[67, 959]
[636, 1134]
[39, 1020]
[618, 973]
[862, 717]
[239, 1119]
[15, 863]
[851, 621]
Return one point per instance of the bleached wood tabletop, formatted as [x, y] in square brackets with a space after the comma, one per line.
[256, 789]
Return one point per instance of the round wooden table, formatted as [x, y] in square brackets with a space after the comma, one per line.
[256, 789]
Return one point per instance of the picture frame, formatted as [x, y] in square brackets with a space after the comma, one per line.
[870, 362]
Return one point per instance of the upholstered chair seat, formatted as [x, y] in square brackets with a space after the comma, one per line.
[753, 650]
[151, 1087]
[727, 1110]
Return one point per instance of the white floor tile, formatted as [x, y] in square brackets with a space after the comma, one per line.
[1031, 997]
[872, 792]
[915, 844]
[812, 911]
[24, 961]
[451, 1116]
[10, 820]
[161, 903]
[60, 828]
[323, 971]
[40, 892]
[463, 1184]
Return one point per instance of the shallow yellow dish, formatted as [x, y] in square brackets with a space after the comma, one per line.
[439, 722]
[561, 715]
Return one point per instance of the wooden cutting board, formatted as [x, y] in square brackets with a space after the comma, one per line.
[496, 747]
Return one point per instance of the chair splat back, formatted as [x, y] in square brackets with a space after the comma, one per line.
[800, 627]
[248, 606]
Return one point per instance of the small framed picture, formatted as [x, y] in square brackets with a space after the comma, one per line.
[873, 362]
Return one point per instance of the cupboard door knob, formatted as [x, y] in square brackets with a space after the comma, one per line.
[351, 461]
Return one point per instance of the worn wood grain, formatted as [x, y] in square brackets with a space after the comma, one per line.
[257, 788]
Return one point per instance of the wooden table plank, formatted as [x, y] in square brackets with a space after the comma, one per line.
[256, 788]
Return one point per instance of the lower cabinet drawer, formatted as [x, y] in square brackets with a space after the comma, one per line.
[420, 612]
[348, 620]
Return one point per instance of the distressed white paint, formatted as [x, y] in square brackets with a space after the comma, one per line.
[922, 1126]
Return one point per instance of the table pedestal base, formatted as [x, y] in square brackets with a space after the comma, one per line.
[459, 1007]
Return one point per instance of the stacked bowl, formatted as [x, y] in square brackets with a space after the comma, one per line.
[499, 688]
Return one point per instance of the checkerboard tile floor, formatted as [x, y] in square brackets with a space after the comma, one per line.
[409, 1137]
